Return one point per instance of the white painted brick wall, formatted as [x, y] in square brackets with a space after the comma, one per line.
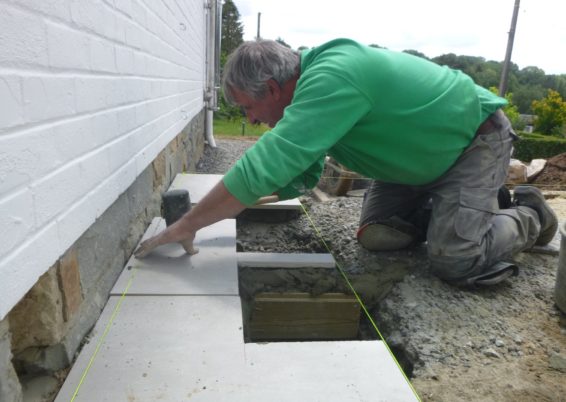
[90, 92]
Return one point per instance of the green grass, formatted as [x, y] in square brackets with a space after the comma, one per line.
[234, 128]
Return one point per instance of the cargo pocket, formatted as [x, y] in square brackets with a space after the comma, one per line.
[476, 209]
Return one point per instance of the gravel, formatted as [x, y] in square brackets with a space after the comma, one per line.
[490, 344]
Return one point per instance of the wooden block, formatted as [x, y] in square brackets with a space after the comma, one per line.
[300, 316]
[320, 195]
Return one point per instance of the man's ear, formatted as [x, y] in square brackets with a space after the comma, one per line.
[273, 88]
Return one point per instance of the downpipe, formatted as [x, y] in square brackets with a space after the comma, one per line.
[214, 34]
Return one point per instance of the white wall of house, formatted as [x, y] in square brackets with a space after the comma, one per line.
[90, 92]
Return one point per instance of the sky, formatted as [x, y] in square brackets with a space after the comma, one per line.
[433, 27]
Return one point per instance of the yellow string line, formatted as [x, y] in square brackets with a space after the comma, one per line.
[101, 340]
[361, 302]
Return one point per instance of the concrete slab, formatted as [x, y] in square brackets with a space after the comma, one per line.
[324, 371]
[161, 348]
[191, 348]
[283, 260]
[199, 185]
[168, 270]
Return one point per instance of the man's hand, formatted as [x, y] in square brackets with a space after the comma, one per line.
[146, 247]
[218, 204]
[267, 199]
[188, 246]
[165, 237]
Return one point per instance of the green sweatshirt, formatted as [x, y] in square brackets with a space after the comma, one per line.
[390, 116]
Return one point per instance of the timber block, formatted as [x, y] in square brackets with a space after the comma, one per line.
[301, 316]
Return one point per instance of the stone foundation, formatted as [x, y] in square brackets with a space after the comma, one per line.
[44, 331]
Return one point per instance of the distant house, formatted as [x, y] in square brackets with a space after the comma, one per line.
[529, 121]
[101, 104]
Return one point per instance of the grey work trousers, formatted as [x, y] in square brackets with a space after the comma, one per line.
[467, 232]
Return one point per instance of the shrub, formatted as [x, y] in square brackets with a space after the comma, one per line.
[551, 114]
[511, 110]
[227, 111]
[538, 146]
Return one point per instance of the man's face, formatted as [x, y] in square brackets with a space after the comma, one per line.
[268, 110]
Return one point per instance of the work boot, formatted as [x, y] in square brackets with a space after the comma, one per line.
[532, 197]
[395, 234]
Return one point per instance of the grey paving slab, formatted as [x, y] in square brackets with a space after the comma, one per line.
[168, 270]
[161, 349]
[284, 260]
[191, 348]
[198, 185]
[324, 371]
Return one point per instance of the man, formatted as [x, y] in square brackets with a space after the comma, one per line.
[427, 134]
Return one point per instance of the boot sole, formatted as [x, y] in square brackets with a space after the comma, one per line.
[547, 234]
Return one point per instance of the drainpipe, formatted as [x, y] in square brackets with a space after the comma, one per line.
[213, 35]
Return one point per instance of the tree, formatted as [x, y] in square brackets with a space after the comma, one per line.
[511, 110]
[232, 37]
[524, 95]
[282, 42]
[556, 82]
[232, 29]
[551, 114]
[415, 53]
[531, 76]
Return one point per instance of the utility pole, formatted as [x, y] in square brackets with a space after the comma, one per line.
[507, 62]
[258, 26]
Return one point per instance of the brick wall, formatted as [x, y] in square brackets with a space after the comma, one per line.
[90, 93]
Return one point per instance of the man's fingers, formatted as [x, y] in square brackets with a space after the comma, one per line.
[145, 248]
[189, 248]
[142, 251]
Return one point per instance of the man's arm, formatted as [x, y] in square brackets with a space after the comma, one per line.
[217, 205]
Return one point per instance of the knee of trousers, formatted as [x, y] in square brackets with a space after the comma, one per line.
[454, 267]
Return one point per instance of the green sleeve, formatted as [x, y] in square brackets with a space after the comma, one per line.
[305, 181]
[325, 107]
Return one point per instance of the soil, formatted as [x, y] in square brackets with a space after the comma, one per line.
[503, 343]
[554, 173]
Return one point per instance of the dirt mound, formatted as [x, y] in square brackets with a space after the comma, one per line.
[554, 173]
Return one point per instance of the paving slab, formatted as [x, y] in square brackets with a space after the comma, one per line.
[191, 348]
[175, 336]
[284, 260]
[168, 270]
[161, 349]
[198, 185]
[324, 371]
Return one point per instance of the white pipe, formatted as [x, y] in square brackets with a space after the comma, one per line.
[208, 130]
[214, 31]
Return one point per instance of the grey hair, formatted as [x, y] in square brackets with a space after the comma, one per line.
[253, 63]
